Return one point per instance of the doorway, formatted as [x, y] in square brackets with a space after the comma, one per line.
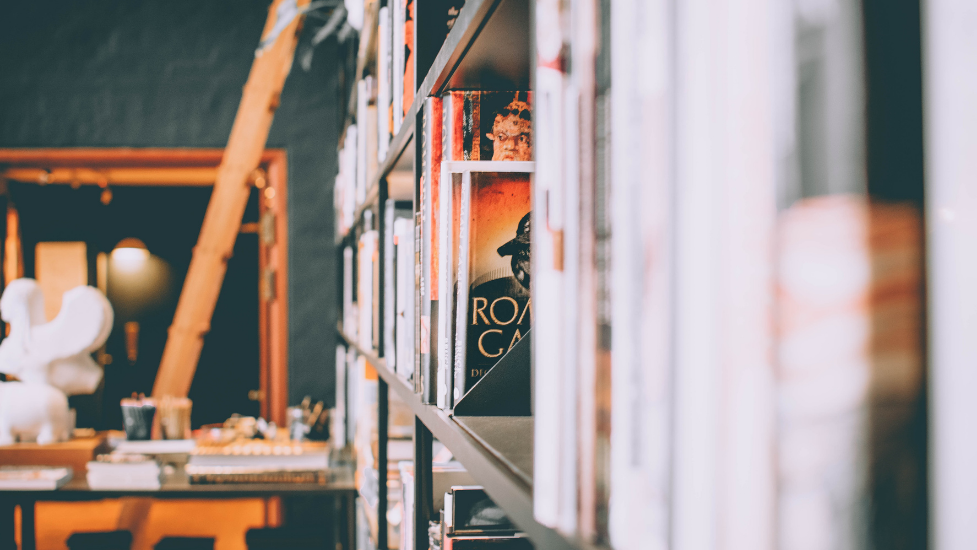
[95, 198]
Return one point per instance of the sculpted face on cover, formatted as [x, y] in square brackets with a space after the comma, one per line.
[518, 248]
[512, 132]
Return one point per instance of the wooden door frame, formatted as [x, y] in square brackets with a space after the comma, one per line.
[191, 167]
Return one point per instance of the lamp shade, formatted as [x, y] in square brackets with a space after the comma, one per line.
[131, 243]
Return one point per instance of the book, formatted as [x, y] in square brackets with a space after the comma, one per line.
[33, 478]
[376, 264]
[349, 307]
[364, 288]
[221, 475]
[477, 126]
[448, 230]
[410, 50]
[550, 188]
[494, 309]
[428, 255]
[475, 542]
[468, 510]
[384, 84]
[363, 131]
[403, 243]
[259, 461]
[121, 470]
[345, 183]
[394, 212]
[398, 19]
[487, 125]
[851, 370]
[407, 505]
[338, 433]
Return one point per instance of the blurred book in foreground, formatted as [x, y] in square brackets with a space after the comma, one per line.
[33, 478]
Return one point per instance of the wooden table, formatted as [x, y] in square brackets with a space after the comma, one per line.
[176, 486]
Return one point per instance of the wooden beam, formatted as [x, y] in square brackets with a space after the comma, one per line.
[117, 157]
[193, 176]
[222, 221]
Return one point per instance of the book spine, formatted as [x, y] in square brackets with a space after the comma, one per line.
[461, 301]
[548, 282]
[422, 252]
[349, 174]
[351, 394]
[364, 295]
[376, 263]
[428, 244]
[421, 351]
[398, 63]
[410, 55]
[338, 427]
[405, 297]
[389, 283]
[349, 312]
[445, 298]
[383, 82]
[362, 103]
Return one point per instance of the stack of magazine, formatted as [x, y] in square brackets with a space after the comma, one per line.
[124, 471]
[33, 478]
[259, 461]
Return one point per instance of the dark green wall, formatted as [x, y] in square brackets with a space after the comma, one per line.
[169, 73]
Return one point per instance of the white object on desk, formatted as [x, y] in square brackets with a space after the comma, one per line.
[52, 359]
[156, 446]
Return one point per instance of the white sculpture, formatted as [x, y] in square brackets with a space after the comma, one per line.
[51, 359]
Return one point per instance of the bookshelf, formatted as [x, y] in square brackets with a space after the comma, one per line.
[677, 250]
[488, 47]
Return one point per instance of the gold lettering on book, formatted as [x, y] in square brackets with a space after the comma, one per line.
[529, 306]
[515, 310]
[515, 338]
[479, 311]
[481, 347]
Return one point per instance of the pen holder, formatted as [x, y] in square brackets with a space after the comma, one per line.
[137, 418]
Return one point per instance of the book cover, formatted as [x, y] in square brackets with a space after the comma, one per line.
[482, 125]
[477, 126]
[494, 306]
[428, 249]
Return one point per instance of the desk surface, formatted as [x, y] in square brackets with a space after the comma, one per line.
[178, 486]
